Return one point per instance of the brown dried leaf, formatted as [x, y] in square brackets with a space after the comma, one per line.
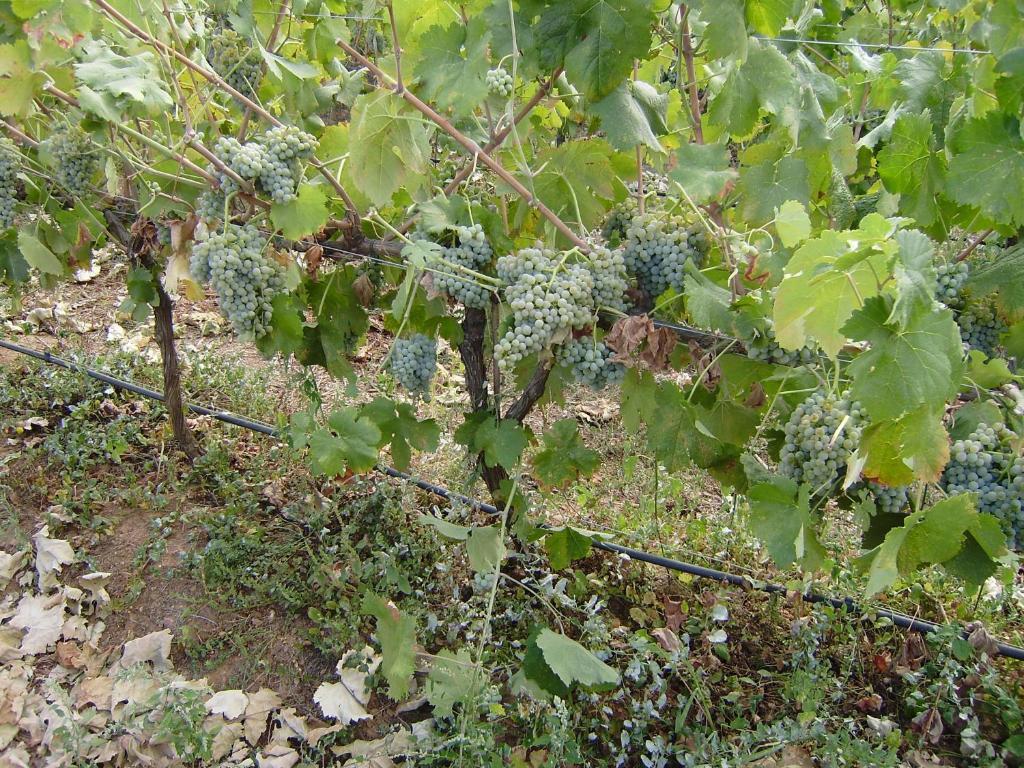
[756, 398]
[929, 725]
[872, 703]
[981, 640]
[660, 343]
[667, 639]
[364, 290]
[673, 614]
[627, 335]
[314, 255]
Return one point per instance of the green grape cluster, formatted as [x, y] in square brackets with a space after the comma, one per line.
[590, 362]
[244, 277]
[10, 166]
[608, 272]
[619, 219]
[547, 298]
[979, 322]
[988, 463]
[499, 82]
[820, 436]
[237, 60]
[980, 326]
[273, 162]
[889, 499]
[951, 277]
[285, 150]
[470, 251]
[657, 251]
[767, 350]
[75, 160]
[414, 362]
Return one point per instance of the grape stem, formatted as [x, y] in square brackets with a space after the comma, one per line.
[973, 244]
[686, 56]
[24, 138]
[269, 47]
[399, 87]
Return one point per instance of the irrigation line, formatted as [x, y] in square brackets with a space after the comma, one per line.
[846, 603]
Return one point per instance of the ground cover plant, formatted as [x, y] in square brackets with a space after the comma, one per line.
[779, 239]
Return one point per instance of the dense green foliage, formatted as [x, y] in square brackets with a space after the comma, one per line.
[795, 179]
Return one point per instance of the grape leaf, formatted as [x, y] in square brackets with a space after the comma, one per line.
[726, 31]
[453, 63]
[452, 679]
[1002, 274]
[304, 215]
[599, 40]
[987, 169]
[18, 81]
[349, 442]
[574, 664]
[400, 429]
[765, 81]
[933, 536]
[574, 180]
[765, 187]
[38, 255]
[985, 372]
[827, 279]
[500, 442]
[703, 171]
[911, 447]
[915, 275]
[781, 518]
[681, 432]
[967, 418]
[768, 16]
[341, 321]
[792, 223]
[134, 81]
[917, 364]
[396, 633]
[634, 113]
[564, 457]
[485, 547]
[910, 166]
[286, 334]
[445, 528]
[564, 546]
[639, 399]
[389, 146]
[13, 267]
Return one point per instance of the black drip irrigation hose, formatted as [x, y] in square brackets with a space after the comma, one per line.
[899, 619]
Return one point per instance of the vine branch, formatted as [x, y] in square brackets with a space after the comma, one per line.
[474, 149]
[495, 141]
[686, 48]
[973, 244]
[221, 83]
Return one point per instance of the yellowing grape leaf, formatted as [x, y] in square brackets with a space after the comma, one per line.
[827, 279]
